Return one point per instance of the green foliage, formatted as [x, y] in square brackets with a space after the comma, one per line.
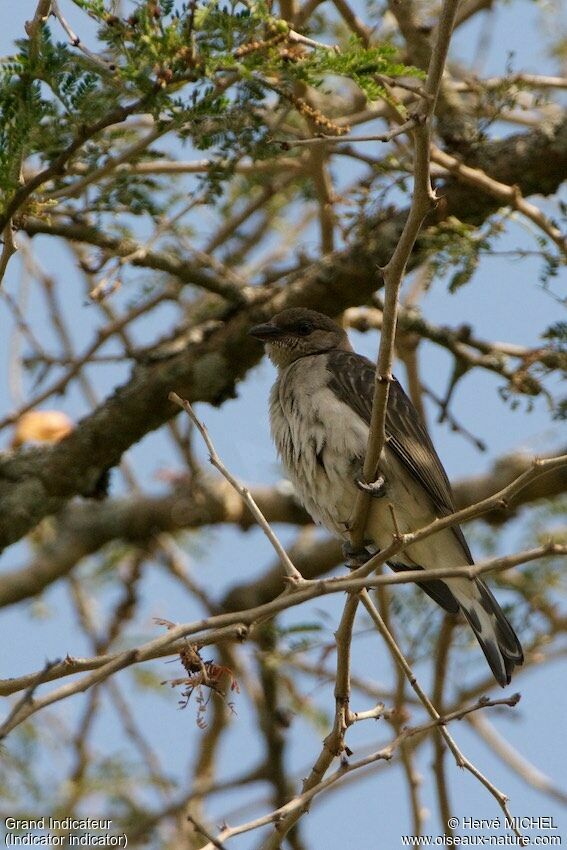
[22, 111]
[560, 412]
[18, 777]
[556, 334]
[456, 249]
[212, 72]
[361, 64]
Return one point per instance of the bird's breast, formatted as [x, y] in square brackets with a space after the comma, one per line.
[321, 442]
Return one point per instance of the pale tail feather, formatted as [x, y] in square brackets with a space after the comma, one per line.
[494, 633]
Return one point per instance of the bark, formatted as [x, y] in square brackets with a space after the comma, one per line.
[36, 483]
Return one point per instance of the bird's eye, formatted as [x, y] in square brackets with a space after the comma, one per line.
[303, 328]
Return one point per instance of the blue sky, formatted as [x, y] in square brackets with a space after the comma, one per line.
[505, 302]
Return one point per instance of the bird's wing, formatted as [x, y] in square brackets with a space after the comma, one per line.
[352, 380]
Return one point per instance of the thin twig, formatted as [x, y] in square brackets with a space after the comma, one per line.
[57, 165]
[460, 759]
[352, 20]
[291, 572]
[333, 745]
[422, 200]
[442, 649]
[123, 165]
[9, 248]
[301, 801]
[101, 64]
[205, 833]
[85, 358]
[498, 500]
[323, 139]
[521, 766]
[112, 163]
[297, 38]
[234, 625]
[461, 342]
[26, 700]
[166, 261]
[33, 27]
[535, 81]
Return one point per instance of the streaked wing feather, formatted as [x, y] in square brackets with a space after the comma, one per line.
[352, 381]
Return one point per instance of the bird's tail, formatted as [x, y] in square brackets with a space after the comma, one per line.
[497, 638]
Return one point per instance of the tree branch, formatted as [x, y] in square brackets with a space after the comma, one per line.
[291, 572]
[507, 195]
[234, 625]
[215, 357]
[460, 758]
[84, 529]
[289, 812]
[423, 199]
[188, 271]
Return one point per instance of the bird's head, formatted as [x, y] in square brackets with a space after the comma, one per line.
[298, 332]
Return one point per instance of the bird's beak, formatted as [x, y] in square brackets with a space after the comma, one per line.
[265, 332]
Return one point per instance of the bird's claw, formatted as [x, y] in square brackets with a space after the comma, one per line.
[356, 556]
[376, 489]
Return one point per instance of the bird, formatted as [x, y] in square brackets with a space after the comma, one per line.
[320, 409]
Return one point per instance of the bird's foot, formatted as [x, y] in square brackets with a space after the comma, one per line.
[356, 556]
[376, 489]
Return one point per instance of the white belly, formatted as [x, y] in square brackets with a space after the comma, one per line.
[320, 455]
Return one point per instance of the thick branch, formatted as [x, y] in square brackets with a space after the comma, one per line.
[185, 269]
[506, 195]
[469, 491]
[216, 357]
[84, 529]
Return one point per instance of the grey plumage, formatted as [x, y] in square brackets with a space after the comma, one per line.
[320, 409]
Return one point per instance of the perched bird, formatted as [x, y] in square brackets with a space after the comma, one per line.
[320, 409]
